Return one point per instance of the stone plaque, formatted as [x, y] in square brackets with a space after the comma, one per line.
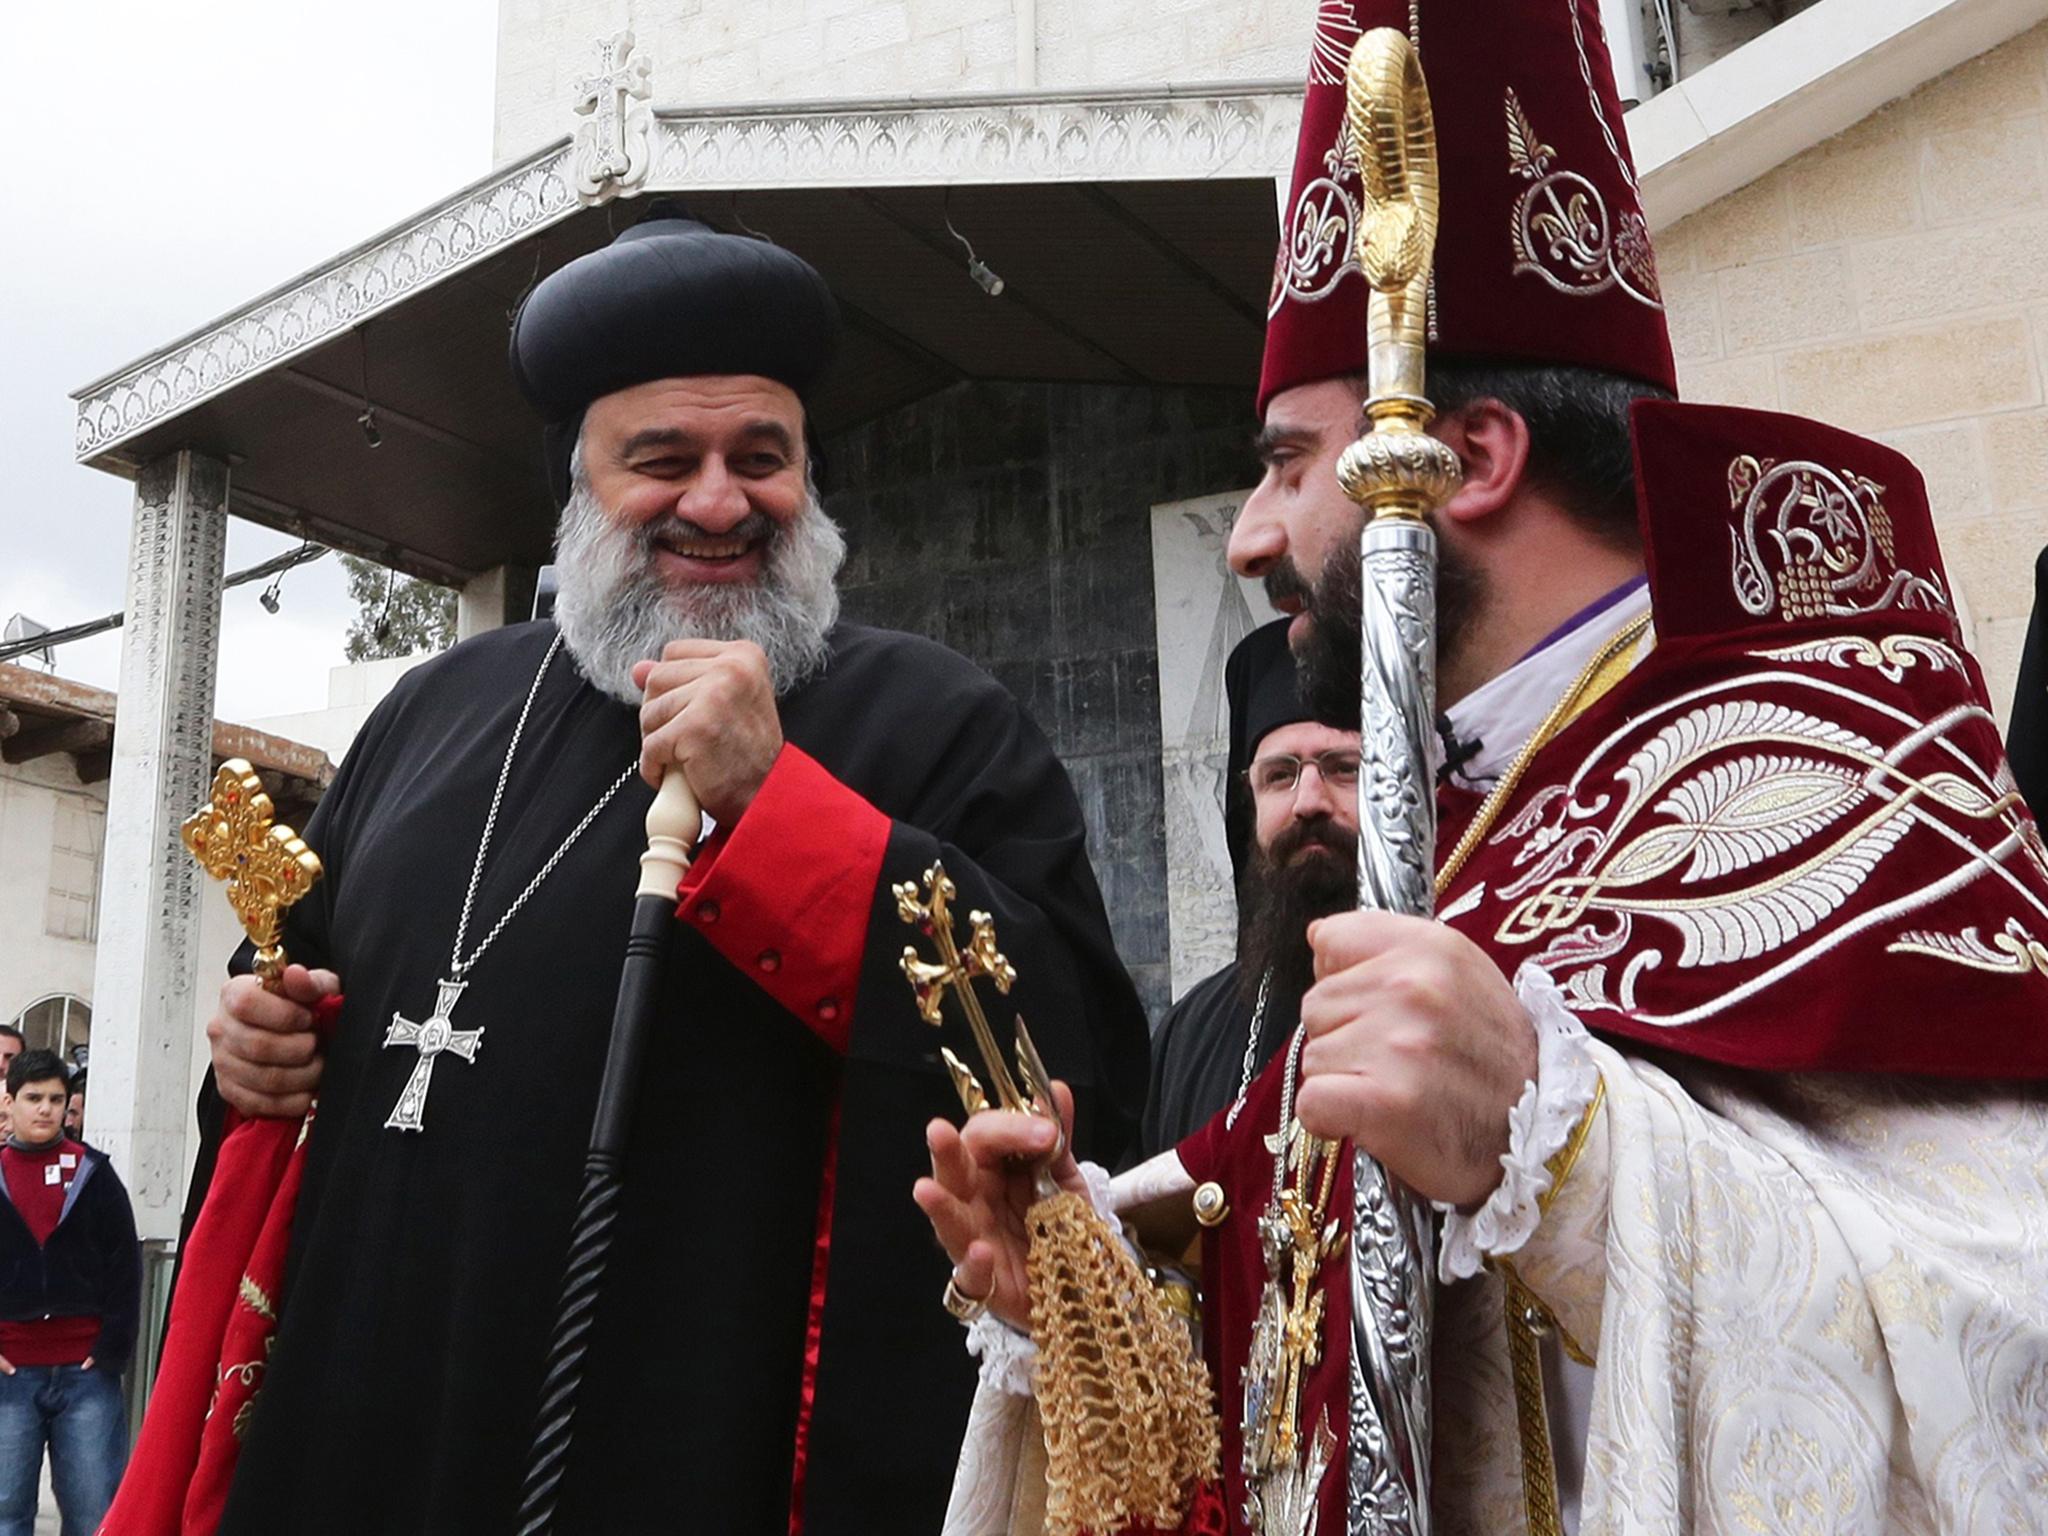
[1202, 612]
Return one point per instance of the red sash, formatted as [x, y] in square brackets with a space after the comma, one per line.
[223, 1320]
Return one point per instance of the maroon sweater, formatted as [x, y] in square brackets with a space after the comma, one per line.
[37, 1182]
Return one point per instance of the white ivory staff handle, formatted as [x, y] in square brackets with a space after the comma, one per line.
[673, 822]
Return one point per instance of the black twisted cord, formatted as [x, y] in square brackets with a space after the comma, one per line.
[590, 1244]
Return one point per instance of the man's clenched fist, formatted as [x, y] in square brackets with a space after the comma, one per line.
[1417, 1049]
[710, 709]
[266, 1055]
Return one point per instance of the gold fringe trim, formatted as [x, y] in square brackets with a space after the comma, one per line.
[1130, 1421]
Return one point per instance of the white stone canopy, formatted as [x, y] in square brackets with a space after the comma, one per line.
[1133, 230]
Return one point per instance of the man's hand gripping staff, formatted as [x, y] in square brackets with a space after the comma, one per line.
[1010, 1205]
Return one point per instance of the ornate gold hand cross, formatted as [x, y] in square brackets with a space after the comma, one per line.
[266, 865]
[955, 972]
[1300, 1238]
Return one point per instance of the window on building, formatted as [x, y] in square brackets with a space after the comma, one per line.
[56, 1023]
[72, 911]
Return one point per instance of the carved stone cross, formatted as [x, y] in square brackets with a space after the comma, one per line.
[431, 1039]
[603, 97]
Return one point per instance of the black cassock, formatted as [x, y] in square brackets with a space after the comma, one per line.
[1198, 1057]
[424, 1267]
[2027, 740]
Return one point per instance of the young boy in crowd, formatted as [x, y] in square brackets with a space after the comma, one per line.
[70, 1294]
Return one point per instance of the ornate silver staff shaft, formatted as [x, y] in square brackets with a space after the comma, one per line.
[1399, 474]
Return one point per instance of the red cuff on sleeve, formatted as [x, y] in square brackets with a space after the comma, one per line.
[785, 892]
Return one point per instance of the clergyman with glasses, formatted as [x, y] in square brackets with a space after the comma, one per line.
[1291, 819]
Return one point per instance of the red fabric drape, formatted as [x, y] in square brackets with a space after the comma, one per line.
[223, 1317]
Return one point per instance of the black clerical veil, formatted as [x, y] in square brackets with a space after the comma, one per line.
[2027, 741]
[1259, 683]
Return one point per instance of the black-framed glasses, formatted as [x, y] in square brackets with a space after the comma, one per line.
[1280, 773]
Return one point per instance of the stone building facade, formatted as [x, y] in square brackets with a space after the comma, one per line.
[717, 51]
[52, 842]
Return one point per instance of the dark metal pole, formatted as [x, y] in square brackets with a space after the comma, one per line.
[672, 823]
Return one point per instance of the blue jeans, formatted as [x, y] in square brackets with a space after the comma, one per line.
[81, 1417]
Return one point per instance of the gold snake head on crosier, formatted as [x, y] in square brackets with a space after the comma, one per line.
[1396, 469]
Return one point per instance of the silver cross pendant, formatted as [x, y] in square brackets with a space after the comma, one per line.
[430, 1039]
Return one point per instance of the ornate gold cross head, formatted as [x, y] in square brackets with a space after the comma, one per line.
[955, 972]
[957, 968]
[266, 865]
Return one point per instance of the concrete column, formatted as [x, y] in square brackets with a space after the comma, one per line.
[146, 974]
[500, 596]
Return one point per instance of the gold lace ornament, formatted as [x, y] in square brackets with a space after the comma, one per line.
[1130, 1426]
[1528, 1319]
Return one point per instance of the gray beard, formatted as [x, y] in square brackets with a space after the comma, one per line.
[614, 609]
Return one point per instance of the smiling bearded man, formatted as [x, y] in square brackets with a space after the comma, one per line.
[616, 608]
[768, 1283]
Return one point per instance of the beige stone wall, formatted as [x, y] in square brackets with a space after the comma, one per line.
[1894, 281]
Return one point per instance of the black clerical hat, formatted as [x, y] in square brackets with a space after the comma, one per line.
[1259, 682]
[669, 298]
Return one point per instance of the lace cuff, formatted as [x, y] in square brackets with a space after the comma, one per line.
[1009, 1359]
[1099, 1183]
[1540, 1126]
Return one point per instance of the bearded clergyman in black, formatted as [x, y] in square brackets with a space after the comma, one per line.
[1291, 820]
[769, 1356]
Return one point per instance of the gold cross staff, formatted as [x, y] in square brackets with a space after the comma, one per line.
[956, 971]
[267, 867]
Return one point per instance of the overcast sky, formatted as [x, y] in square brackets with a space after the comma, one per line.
[171, 162]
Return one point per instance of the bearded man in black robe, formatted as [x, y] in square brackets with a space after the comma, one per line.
[1291, 820]
[768, 1355]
